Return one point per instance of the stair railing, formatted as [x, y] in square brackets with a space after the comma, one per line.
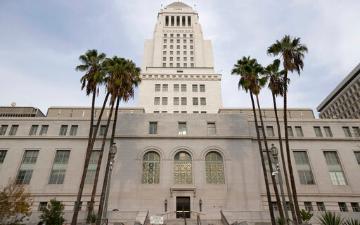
[223, 218]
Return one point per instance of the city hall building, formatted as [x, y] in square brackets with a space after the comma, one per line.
[179, 150]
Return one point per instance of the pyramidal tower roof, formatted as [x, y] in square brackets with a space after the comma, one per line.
[178, 5]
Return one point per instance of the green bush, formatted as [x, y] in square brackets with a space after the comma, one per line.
[53, 213]
[329, 218]
[305, 215]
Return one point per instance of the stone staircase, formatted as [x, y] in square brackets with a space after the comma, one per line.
[192, 222]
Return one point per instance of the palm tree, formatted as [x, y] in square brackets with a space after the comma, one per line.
[123, 77]
[92, 79]
[276, 86]
[292, 53]
[248, 69]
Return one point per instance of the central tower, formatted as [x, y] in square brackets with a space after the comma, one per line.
[178, 71]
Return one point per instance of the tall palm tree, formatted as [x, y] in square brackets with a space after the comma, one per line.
[123, 77]
[92, 79]
[276, 86]
[292, 52]
[247, 69]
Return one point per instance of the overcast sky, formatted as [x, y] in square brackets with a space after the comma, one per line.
[40, 42]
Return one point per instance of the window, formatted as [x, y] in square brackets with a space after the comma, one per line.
[58, 171]
[165, 87]
[320, 206]
[183, 88]
[355, 207]
[13, 130]
[270, 131]
[182, 168]
[152, 127]
[347, 131]
[182, 128]
[274, 206]
[183, 112]
[42, 206]
[164, 101]
[318, 132]
[335, 170]
[26, 168]
[357, 156]
[44, 129]
[202, 87]
[2, 156]
[176, 87]
[299, 131]
[91, 170]
[328, 132]
[3, 129]
[73, 130]
[356, 131]
[303, 167]
[203, 112]
[308, 206]
[214, 168]
[183, 101]
[211, 128]
[79, 206]
[342, 207]
[195, 101]
[203, 101]
[157, 87]
[157, 101]
[102, 130]
[176, 100]
[194, 87]
[63, 130]
[151, 168]
[33, 129]
[290, 131]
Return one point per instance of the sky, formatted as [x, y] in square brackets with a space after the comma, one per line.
[41, 40]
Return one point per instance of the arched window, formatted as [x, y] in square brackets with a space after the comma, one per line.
[214, 168]
[182, 168]
[151, 168]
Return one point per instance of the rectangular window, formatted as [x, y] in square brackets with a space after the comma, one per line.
[3, 129]
[357, 156]
[164, 101]
[356, 131]
[152, 127]
[183, 112]
[2, 156]
[290, 131]
[165, 87]
[270, 131]
[211, 128]
[33, 129]
[335, 170]
[303, 167]
[26, 168]
[318, 132]
[202, 87]
[58, 171]
[299, 131]
[42, 206]
[44, 130]
[183, 88]
[102, 130]
[308, 206]
[176, 87]
[157, 101]
[342, 207]
[320, 206]
[63, 130]
[203, 101]
[73, 130]
[355, 207]
[13, 130]
[274, 206]
[183, 101]
[157, 87]
[182, 128]
[347, 131]
[195, 101]
[176, 100]
[194, 87]
[91, 171]
[328, 132]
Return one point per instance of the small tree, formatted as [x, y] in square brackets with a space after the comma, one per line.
[15, 204]
[53, 213]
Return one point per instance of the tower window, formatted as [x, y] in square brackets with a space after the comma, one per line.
[166, 20]
[189, 20]
[172, 20]
[178, 21]
[183, 20]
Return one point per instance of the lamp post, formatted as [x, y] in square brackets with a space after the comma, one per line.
[275, 155]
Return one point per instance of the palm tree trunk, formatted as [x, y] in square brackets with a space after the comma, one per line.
[272, 217]
[91, 205]
[291, 174]
[288, 189]
[106, 177]
[86, 164]
[277, 196]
